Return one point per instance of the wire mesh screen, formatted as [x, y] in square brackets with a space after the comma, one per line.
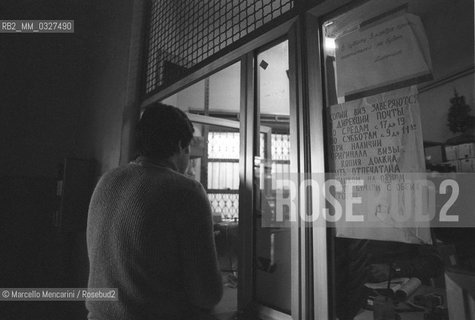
[225, 204]
[183, 33]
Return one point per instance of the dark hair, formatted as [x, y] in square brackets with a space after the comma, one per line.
[160, 129]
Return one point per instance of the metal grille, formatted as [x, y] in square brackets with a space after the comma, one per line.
[183, 33]
[280, 146]
[223, 145]
[225, 204]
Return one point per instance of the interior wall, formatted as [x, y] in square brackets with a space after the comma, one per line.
[63, 95]
[106, 96]
[450, 32]
[192, 97]
[41, 86]
[435, 104]
[111, 95]
[225, 89]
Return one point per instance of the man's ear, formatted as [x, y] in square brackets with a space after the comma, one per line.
[188, 149]
[180, 147]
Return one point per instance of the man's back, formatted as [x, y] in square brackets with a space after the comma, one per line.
[150, 235]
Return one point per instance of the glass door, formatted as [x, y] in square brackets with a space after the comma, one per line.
[246, 144]
[272, 162]
[213, 106]
[216, 165]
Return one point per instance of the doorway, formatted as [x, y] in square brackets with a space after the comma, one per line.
[272, 163]
[213, 106]
[244, 140]
[215, 163]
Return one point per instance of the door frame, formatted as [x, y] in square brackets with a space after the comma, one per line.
[323, 284]
[248, 126]
[249, 120]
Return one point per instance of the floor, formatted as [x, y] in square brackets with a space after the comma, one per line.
[227, 307]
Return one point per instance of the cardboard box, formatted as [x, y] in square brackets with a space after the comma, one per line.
[467, 165]
[433, 154]
[451, 153]
[455, 163]
[466, 150]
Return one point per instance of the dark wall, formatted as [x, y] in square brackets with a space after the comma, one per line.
[42, 87]
[62, 95]
[108, 95]
[67, 94]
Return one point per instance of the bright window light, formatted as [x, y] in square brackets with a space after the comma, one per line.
[329, 44]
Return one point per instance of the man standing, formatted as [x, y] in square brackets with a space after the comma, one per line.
[149, 230]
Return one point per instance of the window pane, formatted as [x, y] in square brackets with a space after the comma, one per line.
[214, 162]
[390, 70]
[272, 158]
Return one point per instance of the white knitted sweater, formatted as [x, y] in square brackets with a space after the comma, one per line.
[149, 234]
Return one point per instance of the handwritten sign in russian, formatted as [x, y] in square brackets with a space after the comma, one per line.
[378, 134]
[378, 139]
[374, 56]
